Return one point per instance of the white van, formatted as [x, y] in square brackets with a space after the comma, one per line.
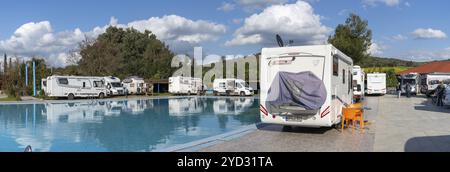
[134, 85]
[230, 87]
[114, 86]
[433, 80]
[71, 87]
[305, 86]
[185, 85]
[376, 84]
[358, 84]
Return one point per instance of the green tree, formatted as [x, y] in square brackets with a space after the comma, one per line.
[353, 38]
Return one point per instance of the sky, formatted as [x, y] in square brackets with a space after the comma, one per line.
[406, 29]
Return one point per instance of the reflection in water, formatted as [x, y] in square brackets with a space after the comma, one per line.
[134, 125]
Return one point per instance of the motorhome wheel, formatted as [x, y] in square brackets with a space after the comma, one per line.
[101, 96]
[242, 93]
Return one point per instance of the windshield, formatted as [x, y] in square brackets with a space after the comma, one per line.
[116, 84]
[409, 81]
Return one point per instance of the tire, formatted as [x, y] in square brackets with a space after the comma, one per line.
[215, 93]
[71, 96]
[242, 94]
[189, 93]
[101, 96]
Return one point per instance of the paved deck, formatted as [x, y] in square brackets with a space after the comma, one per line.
[396, 125]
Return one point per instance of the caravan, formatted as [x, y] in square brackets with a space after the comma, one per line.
[358, 83]
[114, 86]
[71, 87]
[185, 85]
[230, 87]
[413, 79]
[305, 86]
[376, 84]
[134, 85]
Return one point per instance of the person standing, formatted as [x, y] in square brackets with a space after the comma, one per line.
[399, 90]
[440, 94]
[408, 90]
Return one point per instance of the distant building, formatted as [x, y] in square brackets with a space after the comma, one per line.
[433, 67]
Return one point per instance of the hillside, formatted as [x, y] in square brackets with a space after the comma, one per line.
[373, 62]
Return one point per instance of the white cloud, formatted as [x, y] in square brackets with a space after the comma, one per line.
[258, 4]
[429, 34]
[398, 37]
[237, 21]
[427, 55]
[296, 22]
[372, 3]
[39, 39]
[227, 7]
[377, 48]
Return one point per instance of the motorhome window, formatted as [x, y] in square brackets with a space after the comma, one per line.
[131, 85]
[63, 81]
[222, 85]
[98, 84]
[141, 85]
[350, 79]
[336, 65]
[45, 83]
[343, 76]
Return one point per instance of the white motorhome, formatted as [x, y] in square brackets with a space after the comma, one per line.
[114, 86]
[376, 84]
[413, 79]
[447, 96]
[72, 87]
[185, 85]
[358, 84]
[231, 87]
[305, 85]
[134, 85]
[433, 80]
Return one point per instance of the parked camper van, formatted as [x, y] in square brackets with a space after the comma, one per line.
[413, 79]
[235, 106]
[185, 85]
[305, 85]
[72, 87]
[134, 85]
[358, 84]
[376, 84]
[230, 87]
[114, 86]
[433, 80]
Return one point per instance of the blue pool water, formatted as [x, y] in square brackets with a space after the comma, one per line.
[116, 126]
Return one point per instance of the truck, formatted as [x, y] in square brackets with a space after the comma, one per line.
[306, 86]
[72, 87]
[114, 86]
[185, 85]
[232, 87]
[376, 84]
[358, 83]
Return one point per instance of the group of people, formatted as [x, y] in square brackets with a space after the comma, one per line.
[439, 93]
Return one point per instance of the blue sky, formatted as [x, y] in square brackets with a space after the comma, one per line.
[408, 29]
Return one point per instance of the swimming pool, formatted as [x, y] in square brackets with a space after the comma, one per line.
[122, 125]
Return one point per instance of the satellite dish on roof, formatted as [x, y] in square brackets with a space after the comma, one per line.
[280, 41]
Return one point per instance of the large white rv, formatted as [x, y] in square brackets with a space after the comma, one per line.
[305, 85]
[231, 87]
[114, 86]
[413, 79]
[185, 85]
[376, 84]
[433, 80]
[358, 84]
[134, 85]
[71, 87]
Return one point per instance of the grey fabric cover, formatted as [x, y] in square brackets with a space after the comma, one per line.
[296, 93]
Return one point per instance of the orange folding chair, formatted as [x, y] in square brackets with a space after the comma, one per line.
[352, 114]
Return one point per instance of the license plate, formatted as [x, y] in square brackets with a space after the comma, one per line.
[292, 119]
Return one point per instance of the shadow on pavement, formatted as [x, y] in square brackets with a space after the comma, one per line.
[280, 128]
[428, 144]
[430, 107]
